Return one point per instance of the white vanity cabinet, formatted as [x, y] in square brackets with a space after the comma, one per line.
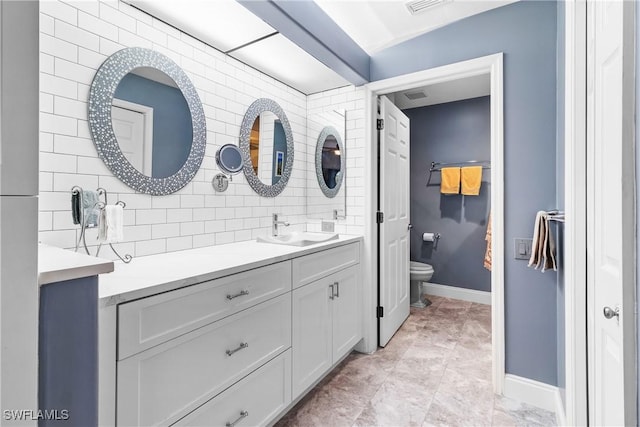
[326, 315]
[235, 350]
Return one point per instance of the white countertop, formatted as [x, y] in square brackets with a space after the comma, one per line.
[153, 274]
[57, 265]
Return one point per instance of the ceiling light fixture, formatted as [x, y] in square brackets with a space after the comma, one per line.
[415, 95]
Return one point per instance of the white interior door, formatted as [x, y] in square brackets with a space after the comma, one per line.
[394, 230]
[611, 207]
[133, 127]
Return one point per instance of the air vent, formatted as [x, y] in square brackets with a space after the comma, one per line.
[418, 6]
[415, 95]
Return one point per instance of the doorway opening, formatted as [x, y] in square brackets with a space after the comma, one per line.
[491, 67]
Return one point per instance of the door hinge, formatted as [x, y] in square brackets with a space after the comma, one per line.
[380, 124]
[379, 217]
[379, 311]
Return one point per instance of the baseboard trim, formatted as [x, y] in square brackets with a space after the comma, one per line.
[534, 393]
[561, 417]
[481, 297]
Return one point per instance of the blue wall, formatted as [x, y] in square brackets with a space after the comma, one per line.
[452, 132]
[68, 352]
[172, 127]
[526, 33]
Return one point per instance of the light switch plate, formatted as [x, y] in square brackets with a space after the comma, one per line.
[522, 248]
[328, 226]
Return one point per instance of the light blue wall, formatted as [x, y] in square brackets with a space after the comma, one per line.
[68, 351]
[451, 132]
[172, 125]
[526, 33]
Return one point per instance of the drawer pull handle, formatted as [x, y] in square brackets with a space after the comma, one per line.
[242, 345]
[243, 414]
[337, 285]
[240, 294]
[332, 293]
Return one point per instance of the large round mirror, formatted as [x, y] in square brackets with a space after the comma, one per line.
[266, 143]
[330, 161]
[147, 121]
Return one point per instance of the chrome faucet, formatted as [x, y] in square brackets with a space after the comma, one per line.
[274, 228]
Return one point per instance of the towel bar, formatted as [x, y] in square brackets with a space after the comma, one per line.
[77, 190]
[437, 166]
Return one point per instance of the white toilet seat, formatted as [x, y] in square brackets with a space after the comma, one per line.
[420, 267]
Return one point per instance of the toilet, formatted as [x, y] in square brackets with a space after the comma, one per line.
[419, 272]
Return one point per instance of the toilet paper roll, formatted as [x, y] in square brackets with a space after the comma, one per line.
[428, 237]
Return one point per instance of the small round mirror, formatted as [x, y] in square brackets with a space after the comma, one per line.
[229, 159]
[330, 161]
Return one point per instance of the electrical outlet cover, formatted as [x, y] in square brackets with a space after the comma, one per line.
[328, 226]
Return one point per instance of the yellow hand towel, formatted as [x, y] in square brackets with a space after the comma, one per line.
[471, 179]
[450, 182]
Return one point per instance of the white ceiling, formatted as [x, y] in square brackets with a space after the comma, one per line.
[373, 24]
[456, 90]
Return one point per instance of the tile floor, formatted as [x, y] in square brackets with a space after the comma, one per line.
[435, 371]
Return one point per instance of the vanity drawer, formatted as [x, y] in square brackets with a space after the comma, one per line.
[162, 384]
[147, 322]
[253, 401]
[312, 267]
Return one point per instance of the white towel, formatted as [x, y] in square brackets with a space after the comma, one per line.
[111, 224]
[543, 247]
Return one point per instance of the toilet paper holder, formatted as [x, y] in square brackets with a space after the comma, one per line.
[431, 237]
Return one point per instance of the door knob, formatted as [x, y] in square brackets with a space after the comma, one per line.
[610, 313]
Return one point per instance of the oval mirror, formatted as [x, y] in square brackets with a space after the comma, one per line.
[266, 144]
[147, 121]
[330, 161]
[229, 159]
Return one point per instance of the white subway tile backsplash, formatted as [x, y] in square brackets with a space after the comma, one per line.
[150, 247]
[128, 38]
[60, 11]
[53, 162]
[159, 231]
[72, 34]
[70, 108]
[76, 38]
[104, 28]
[179, 243]
[152, 34]
[58, 86]
[191, 228]
[151, 216]
[110, 13]
[58, 124]
[179, 215]
[91, 7]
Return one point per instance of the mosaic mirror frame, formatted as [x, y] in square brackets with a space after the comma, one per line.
[254, 111]
[101, 96]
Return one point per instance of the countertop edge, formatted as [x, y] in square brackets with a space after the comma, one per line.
[58, 265]
[153, 289]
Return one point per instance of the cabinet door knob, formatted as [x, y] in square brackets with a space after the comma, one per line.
[243, 414]
[242, 345]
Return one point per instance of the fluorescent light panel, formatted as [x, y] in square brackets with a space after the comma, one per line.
[283, 60]
[223, 24]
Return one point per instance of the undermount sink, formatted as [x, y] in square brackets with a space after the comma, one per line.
[298, 238]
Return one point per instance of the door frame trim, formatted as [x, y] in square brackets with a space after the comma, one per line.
[575, 207]
[492, 65]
